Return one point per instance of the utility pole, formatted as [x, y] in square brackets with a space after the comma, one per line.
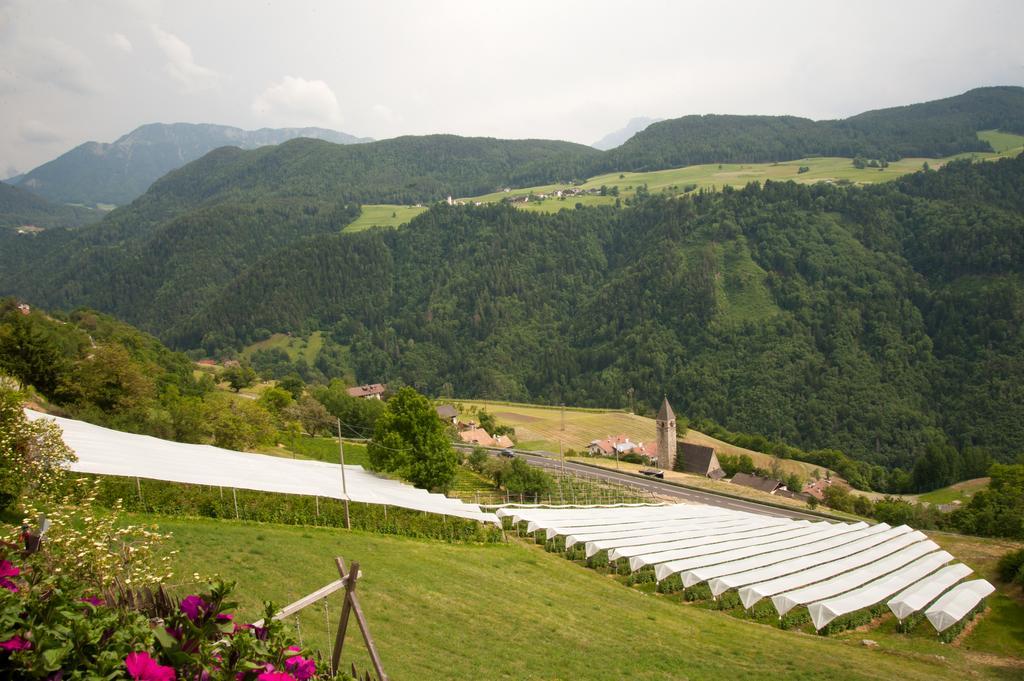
[561, 455]
[344, 487]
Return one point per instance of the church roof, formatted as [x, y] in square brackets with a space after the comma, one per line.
[666, 413]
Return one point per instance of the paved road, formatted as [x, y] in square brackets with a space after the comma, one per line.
[662, 488]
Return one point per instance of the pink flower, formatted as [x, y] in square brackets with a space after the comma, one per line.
[193, 606]
[15, 643]
[142, 667]
[8, 570]
[300, 667]
[224, 617]
[93, 600]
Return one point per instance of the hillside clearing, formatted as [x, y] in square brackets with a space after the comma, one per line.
[690, 179]
[515, 612]
[539, 428]
[383, 215]
[961, 491]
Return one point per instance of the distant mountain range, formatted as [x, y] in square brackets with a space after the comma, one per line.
[116, 173]
[618, 137]
[832, 316]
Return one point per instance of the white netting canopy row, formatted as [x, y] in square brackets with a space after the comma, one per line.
[832, 568]
[104, 451]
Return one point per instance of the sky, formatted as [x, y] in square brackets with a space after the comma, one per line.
[73, 71]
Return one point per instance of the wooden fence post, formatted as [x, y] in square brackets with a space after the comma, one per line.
[350, 607]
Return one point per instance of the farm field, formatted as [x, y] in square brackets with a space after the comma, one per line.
[513, 611]
[961, 491]
[383, 215]
[539, 428]
[706, 176]
[294, 346]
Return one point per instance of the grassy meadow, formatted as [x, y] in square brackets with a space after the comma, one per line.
[383, 215]
[295, 346]
[961, 491]
[706, 176]
[513, 611]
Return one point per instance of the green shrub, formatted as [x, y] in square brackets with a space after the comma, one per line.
[1010, 566]
[671, 584]
[698, 592]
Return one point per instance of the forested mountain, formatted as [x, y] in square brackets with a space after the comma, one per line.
[881, 321]
[200, 225]
[939, 128]
[19, 207]
[884, 321]
[116, 173]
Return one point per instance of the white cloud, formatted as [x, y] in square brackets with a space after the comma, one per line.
[299, 102]
[119, 41]
[38, 132]
[181, 66]
[384, 113]
[56, 63]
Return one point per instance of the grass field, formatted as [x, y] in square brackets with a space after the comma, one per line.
[961, 491]
[706, 176]
[294, 346]
[513, 611]
[539, 428]
[383, 215]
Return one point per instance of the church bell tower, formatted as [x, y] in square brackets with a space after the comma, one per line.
[666, 423]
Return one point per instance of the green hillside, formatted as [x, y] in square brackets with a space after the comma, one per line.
[932, 129]
[825, 316]
[882, 321]
[511, 611]
[20, 208]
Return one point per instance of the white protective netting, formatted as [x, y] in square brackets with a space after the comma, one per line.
[859, 541]
[846, 581]
[733, 550]
[957, 603]
[751, 594]
[103, 451]
[836, 535]
[718, 530]
[917, 596]
[824, 611]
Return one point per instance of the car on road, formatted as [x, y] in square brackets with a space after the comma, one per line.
[653, 473]
[507, 453]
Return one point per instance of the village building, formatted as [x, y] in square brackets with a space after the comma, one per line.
[699, 460]
[371, 391]
[476, 436]
[447, 413]
[24, 308]
[756, 482]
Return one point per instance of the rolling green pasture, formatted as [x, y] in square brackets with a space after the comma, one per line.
[383, 215]
[295, 346]
[513, 611]
[707, 176]
[961, 491]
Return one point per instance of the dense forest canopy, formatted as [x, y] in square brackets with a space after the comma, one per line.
[885, 322]
[932, 129]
